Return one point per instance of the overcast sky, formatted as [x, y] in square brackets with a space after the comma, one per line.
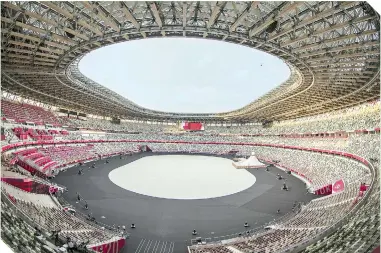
[185, 75]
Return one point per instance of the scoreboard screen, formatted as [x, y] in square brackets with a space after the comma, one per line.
[193, 126]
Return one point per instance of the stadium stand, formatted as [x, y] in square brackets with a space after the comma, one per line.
[311, 221]
[27, 113]
[322, 123]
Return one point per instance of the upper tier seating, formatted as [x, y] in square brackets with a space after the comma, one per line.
[27, 112]
[66, 154]
[365, 116]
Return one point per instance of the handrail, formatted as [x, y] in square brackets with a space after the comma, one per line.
[22, 215]
[253, 231]
[33, 223]
[333, 227]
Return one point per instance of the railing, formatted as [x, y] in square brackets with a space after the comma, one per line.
[97, 224]
[249, 232]
[33, 223]
[64, 203]
[305, 243]
[308, 241]
[17, 211]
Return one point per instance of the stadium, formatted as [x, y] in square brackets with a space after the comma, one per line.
[86, 169]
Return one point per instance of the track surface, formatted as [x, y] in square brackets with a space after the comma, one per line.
[165, 225]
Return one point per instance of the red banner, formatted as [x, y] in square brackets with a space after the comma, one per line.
[193, 126]
[363, 187]
[326, 190]
[338, 186]
[111, 247]
[27, 185]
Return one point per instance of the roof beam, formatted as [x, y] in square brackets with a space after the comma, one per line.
[30, 62]
[84, 24]
[26, 71]
[342, 79]
[215, 14]
[100, 14]
[27, 57]
[61, 11]
[131, 18]
[126, 36]
[344, 62]
[184, 14]
[21, 44]
[340, 56]
[312, 19]
[41, 31]
[340, 38]
[156, 14]
[344, 69]
[53, 23]
[327, 29]
[338, 49]
[263, 26]
[38, 40]
[22, 51]
[272, 18]
[57, 45]
[289, 7]
[55, 51]
[342, 74]
[67, 14]
[243, 16]
[23, 36]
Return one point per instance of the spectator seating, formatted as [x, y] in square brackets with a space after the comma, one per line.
[41, 208]
[321, 169]
[37, 199]
[20, 236]
[27, 113]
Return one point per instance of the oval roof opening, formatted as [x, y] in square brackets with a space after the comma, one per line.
[185, 75]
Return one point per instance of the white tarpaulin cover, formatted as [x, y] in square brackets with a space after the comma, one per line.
[251, 162]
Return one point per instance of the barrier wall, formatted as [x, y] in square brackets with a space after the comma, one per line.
[29, 168]
[27, 185]
[111, 247]
[325, 190]
[323, 151]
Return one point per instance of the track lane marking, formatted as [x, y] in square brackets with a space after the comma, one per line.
[155, 246]
[163, 247]
[171, 246]
[148, 246]
[141, 243]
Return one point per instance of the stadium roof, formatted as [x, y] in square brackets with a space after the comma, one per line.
[332, 49]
